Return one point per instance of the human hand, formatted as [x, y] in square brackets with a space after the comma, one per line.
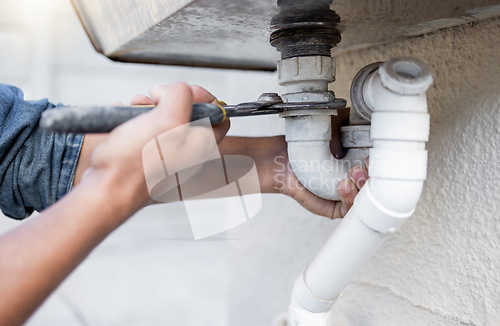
[119, 161]
[270, 155]
[285, 182]
[276, 176]
[200, 95]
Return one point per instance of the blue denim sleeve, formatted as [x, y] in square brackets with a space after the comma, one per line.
[36, 167]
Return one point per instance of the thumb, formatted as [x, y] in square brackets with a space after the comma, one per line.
[173, 109]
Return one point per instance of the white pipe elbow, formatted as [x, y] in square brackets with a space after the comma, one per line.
[312, 162]
[400, 129]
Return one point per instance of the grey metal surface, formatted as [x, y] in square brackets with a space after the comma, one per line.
[235, 33]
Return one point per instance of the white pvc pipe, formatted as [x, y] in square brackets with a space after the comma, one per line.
[343, 254]
[398, 163]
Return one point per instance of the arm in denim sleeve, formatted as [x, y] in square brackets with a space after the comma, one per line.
[36, 167]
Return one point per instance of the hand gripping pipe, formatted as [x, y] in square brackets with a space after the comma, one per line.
[394, 96]
[308, 132]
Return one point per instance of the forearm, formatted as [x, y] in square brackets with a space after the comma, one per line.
[40, 254]
[269, 154]
[90, 142]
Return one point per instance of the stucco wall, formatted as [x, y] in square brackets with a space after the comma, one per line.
[443, 267]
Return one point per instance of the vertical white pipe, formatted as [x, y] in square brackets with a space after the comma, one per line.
[353, 243]
[398, 163]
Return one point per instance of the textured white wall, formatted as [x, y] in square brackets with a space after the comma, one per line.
[443, 267]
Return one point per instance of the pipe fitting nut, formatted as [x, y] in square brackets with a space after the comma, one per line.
[405, 76]
[304, 69]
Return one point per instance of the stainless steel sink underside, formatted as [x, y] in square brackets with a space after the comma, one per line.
[235, 33]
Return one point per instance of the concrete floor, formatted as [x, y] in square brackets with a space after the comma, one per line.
[149, 272]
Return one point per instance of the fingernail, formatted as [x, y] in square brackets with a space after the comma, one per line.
[346, 185]
[356, 172]
[361, 182]
[340, 186]
[361, 173]
[344, 209]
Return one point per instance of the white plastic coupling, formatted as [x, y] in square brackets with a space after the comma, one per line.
[308, 299]
[374, 215]
[298, 316]
[405, 76]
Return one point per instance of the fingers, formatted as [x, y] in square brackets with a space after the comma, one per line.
[173, 104]
[315, 204]
[290, 186]
[221, 129]
[201, 95]
[358, 175]
[328, 208]
[139, 99]
[319, 206]
[347, 192]
[349, 188]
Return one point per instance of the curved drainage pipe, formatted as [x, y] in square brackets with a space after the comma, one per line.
[393, 97]
[312, 162]
[308, 132]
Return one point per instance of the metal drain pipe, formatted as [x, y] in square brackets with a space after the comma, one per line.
[305, 32]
